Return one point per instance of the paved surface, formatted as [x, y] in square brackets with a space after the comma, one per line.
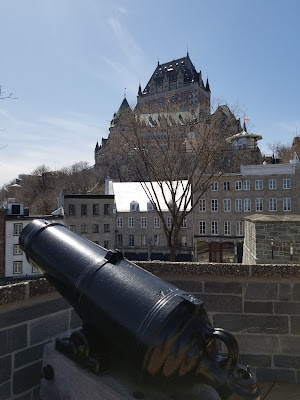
[280, 391]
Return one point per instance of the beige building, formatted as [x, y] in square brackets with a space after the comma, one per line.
[269, 189]
[91, 216]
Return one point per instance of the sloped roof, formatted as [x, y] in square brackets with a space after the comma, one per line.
[127, 192]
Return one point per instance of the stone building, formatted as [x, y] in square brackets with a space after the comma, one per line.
[91, 216]
[266, 189]
[272, 239]
[14, 217]
[174, 103]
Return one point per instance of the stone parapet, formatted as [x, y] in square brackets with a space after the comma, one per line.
[259, 304]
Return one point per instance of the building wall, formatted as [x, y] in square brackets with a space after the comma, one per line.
[2, 242]
[97, 223]
[272, 240]
[259, 304]
[243, 188]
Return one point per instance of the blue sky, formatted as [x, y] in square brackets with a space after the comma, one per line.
[69, 62]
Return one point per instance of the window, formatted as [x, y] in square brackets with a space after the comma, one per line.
[106, 244]
[18, 229]
[238, 205]
[95, 209]
[183, 241]
[17, 250]
[119, 239]
[238, 185]
[286, 184]
[214, 187]
[72, 210]
[150, 206]
[131, 240]
[34, 270]
[130, 222]
[16, 209]
[239, 228]
[95, 228]
[272, 184]
[156, 240]
[214, 227]
[287, 204]
[184, 223]
[227, 228]
[106, 227]
[143, 240]
[272, 204]
[226, 185]
[156, 222]
[202, 228]
[17, 267]
[259, 204]
[119, 222]
[258, 185]
[246, 185]
[169, 222]
[214, 205]
[202, 205]
[72, 228]
[227, 205]
[84, 229]
[83, 209]
[247, 205]
[106, 209]
[134, 206]
[143, 222]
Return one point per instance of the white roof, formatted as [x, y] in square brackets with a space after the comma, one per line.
[127, 192]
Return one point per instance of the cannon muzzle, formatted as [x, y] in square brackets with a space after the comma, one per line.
[164, 331]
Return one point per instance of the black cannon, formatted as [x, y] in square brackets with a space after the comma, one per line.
[164, 332]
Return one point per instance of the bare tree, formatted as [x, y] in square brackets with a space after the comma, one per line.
[176, 160]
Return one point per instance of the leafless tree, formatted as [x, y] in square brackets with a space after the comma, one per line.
[175, 159]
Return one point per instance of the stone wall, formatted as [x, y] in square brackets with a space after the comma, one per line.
[272, 239]
[259, 304]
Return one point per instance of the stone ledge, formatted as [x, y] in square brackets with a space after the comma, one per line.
[30, 289]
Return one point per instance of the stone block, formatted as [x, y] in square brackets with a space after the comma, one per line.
[13, 339]
[222, 303]
[223, 287]
[287, 362]
[261, 291]
[48, 327]
[289, 345]
[296, 292]
[188, 285]
[287, 308]
[23, 314]
[27, 377]
[258, 307]
[29, 355]
[258, 344]
[295, 325]
[275, 375]
[284, 292]
[252, 323]
[5, 369]
[255, 360]
[5, 391]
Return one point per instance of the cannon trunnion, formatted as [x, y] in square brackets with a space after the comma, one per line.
[163, 332]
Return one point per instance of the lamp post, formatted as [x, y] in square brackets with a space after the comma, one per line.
[272, 247]
[291, 250]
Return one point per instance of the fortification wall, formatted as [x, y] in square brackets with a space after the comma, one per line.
[259, 304]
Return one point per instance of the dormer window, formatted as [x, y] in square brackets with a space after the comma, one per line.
[150, 206]
[134, 206]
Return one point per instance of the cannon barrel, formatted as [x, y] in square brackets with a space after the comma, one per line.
[163, 330]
